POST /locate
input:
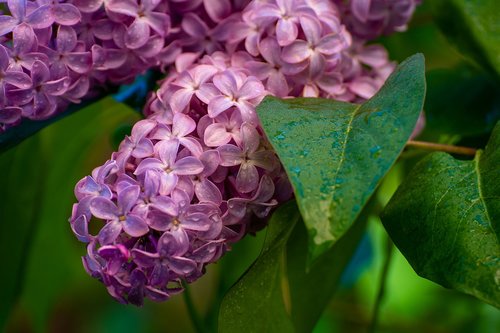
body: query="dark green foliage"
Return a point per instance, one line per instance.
(445, 219)
(335, 153)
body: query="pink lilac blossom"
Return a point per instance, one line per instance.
(198, 174)
(172, 203)
(369, 19)
(91, 44)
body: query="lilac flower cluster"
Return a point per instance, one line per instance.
(198, 173)
(185, 183)
(301, 48)
(369, 19)
(56, 52)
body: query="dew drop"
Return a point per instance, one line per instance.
(375, 151)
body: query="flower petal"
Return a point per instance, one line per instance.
(296, 52)
(188, 166)
(247, 179)
(66, 14)
(110, 232)
(18, 79)
(168, 182)
(7, 24)
(286, 32)
(137, 34)
(206, 191)
(41, 18)
(143, 149)
(127, 198)
(180, 99)
(182, 124)
(218, 104)
(144, 258)
(252, 88)
(17, 8)
(196, 222)
(80, 228)
(103, 208)
(23, 38)
(230, 155)
(216, 135)
(181, 266)
(9, 115)
(135, 226)
(312, 28)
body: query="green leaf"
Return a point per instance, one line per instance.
(474, 26)
(461, 101)
(256, 302)
(336, 153)
(445, 219)
(37, 215)
(278, 293)
(21, 185)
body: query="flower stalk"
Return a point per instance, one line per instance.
(442, 147)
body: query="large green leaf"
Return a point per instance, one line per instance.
(461, 101)
(44, 253)
(336, 153)
(21, 185)
(279, 293)
(445, 219)
(474, 26)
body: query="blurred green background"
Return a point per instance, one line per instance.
(47, 289)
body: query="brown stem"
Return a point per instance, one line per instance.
(442, 147)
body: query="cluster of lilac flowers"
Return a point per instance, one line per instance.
(368, 19)
(57, 52)
(198, 173)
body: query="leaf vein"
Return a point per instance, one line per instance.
(479, 188)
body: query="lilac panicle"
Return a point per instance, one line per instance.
(170, 202)
(198, 173)
(90, 44)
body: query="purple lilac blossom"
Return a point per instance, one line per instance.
(198, 174)
(369, 19)
(92, 44)
(170, 202)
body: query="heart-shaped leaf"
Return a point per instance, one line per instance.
(278, 293)
(445, 219)
(336, 153)
(21, 186)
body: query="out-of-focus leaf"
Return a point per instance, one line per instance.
(335, 153)
(21, 185)
(256, 303)
(230, 268)
(474, 26)
(279, 293)
(461, 101)
(312, 288)
(445, 219)
(69, 150)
